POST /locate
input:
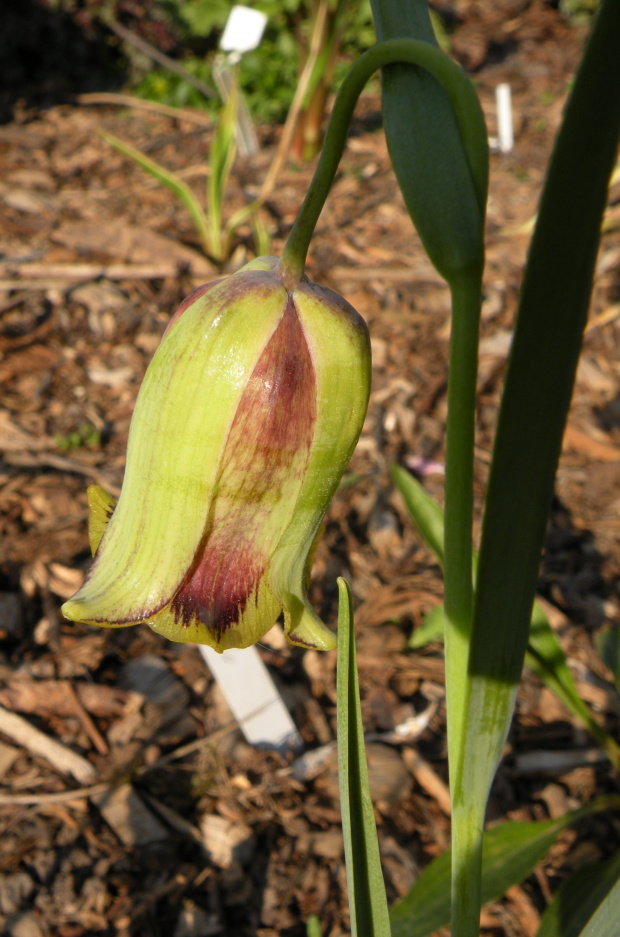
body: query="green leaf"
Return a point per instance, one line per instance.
(313, 926)
(543, 359)
(510, 853)
(170, 180)
(424, 511)
(544, 655)
(536, 396)
(426, 514)
(201, 16)
(221, 159)
(367, 901)
(604, 923)
(539, 380)
(430, 630)
(577, 900)
(444, 191)
(608, 645)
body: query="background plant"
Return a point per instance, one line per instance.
(216, 234)
(269, 74)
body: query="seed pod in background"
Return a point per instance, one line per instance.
(245, 422)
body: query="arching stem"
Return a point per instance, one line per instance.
(467, 111)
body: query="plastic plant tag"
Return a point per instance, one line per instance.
(253, 698)
(505, 133)
(243, 31)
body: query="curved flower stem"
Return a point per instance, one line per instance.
(467, 111)
(465, 281)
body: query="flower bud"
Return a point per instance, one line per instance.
(247, 417)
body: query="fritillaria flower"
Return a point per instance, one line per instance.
(245, 422)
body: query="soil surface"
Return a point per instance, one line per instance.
(167, 822)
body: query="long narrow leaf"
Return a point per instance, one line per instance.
(604, 922)
(221, 159)
(424, 511)
(510, 853)
(367, 901)
(170, 180)
(544, 655)
(578, 899)
(537, 390)
(541, 368)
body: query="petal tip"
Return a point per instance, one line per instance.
(304, 628)
(72, 610)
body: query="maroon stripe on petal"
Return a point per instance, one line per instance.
(276, 415)
(217, 593)
(269, 443)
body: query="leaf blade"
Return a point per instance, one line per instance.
(367, 899)
(544, 654)
(578, 899)
(170, 180)
(510, 852)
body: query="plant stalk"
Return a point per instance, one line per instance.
(467, 821)
(410, 51)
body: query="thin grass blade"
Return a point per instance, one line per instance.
(367, 900)
(221, 159)
(170, 180)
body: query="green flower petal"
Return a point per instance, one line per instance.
(101, 506)
(182, 419)
(227, 600)
(245, 422)
(340, 348)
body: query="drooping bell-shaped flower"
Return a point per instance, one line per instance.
(247, 417)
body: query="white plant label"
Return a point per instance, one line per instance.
(243, 31)
(252, 695)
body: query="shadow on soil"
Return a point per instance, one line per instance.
(46, 56)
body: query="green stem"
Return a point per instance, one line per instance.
(465, 285)
(467, 840)
(467, 822)
(409, 51)
(460, 428)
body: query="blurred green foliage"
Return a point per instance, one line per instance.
(86, 436)
(579, 11)
(268, 75)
